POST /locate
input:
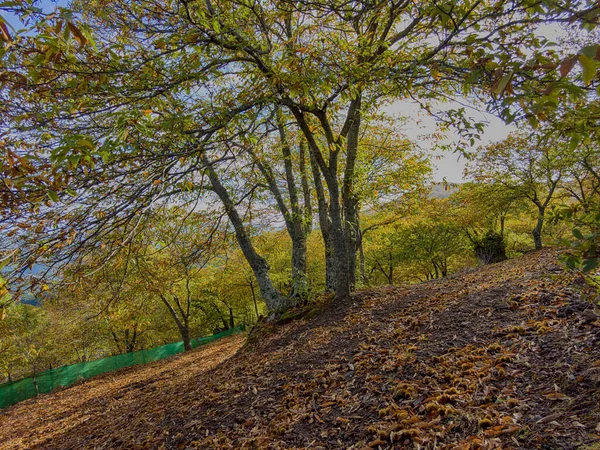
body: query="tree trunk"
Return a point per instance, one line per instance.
(350, 201)
(297, 219)
(231, 319)
(223, 321)
(444, 268)
(254, 299)
(35, 384)
(342, 201)
(340, 253)
(116, 339)
(388, 276)
(130, 343)
(185, 336)
(391, 268)
(352, 237)
(361, 258)
(537, 231)
(183, 324)
(274, 300)
(299, 281)
(330, 280)
(325, 225)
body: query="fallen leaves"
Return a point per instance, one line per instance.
(431, 366)
(550, 418)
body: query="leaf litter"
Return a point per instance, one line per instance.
(502, 357)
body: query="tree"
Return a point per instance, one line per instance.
(530, 166)
(426, 245)
(11, 356)
(482, 210)
(30, 327)
(583, 184)
(577, 123)
(174, 80)
(170, 256)
(296, 210)
(584, 244)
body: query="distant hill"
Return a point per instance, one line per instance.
(29, 299)
(443, 190)
(504, 356)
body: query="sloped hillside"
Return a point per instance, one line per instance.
(507, 356)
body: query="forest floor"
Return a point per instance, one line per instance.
(505, 356)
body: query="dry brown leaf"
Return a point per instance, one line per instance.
(550, 418)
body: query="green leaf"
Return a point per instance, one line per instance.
(503, 83)
(216, 25)
(570, 261)
(106, 156)
(533, 121)
(85, 143)
(589, 51)
(74, 159)
(590, 264)
(588, 66)
(577, 233)
(53, 196)
(574, 142)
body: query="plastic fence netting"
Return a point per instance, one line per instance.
(16, 391)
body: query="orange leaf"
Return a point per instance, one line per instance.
(567, 65)
(77, 33)
(555, 396)
(4, 33)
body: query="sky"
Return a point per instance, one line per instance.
(447, 166)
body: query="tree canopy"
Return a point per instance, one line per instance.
(270, 114)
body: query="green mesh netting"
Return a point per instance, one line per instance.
(16, 391)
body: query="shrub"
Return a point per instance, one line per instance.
(490, 248)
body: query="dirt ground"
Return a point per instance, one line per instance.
(503, 357)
